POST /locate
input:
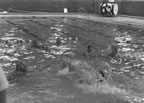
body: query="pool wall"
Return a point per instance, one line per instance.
(126, 7)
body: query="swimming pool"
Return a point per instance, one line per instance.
(114, 47)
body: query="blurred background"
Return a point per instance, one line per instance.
(126, 7)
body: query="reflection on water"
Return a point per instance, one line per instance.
(132, 54)
(58, 30)
(58, 37)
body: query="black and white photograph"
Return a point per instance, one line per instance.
(71, 51)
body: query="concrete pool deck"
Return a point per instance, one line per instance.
(121, 20)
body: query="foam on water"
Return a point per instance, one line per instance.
(61, 28)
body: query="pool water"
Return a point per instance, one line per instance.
(63, 57)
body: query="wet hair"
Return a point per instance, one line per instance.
(102, 78)
(102, 73)
(58, 41)
(35, 44)
(114, 51)
(89, 48)
(20, 67)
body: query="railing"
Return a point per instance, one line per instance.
(82, 11)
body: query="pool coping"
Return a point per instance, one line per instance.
(120, 20)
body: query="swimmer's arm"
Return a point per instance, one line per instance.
(3, 96)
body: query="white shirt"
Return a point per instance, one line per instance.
(3, 81)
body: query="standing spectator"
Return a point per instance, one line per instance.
(3, 86)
